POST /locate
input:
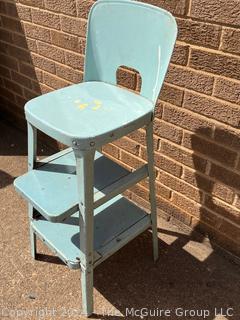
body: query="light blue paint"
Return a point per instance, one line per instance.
(86, 116)
(128, 33)
(58, 115)
(133, 34)
(51, 187)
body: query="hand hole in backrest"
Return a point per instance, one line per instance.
(129, 78)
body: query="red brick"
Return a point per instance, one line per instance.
(28, 70)
(5, 35)
(189, 206)
(209, 149)
(5, 72)
(230, 230)
(217, 11)
(162, 190)
(158, 110)
(222, 192)
(11, 24)
(13, 86)
(37, 80)
(74, 26)
(225, 176)
(32, 3)
(74, 60)
(66, 7)
(31, 44)
(228, 136)
(21, 79)
(8, 9)
(68, 73)
(2, 7)
(18, 53)
(187, 120)
(4, 48)
(83, 8)
(138, 82)
(53, 81)
(139, 136)
(51, 52)
(36, 88)
(178, 7)
(82, 45)
(180, 54)
(8, 62)
(217, 237)
(199, 33)
(21, 101)
(180, 186)
(227, 90)
(207, 217)
(128, 145)
(111, 150)
(65, 40)
(45, 89)
(222, 208)
(28, 94)
(230, 40)
(140, 191)
(223, 65)
(171, 94)
(131, 160)
(126, 78)
(167, 164)
(21, 41)
(174, 211)
(4, 92)
(37, 32)
(24, 12)
(46, 18)
(191, 79)
(183, 156)
(140, 202)
(167, 131)
(214, 109)
(43, 63)
(208, 185)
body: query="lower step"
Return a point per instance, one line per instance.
(115, 224)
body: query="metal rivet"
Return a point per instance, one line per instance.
(75, 143)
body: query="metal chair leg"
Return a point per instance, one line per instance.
(32, 154)
(85, 178)
(151, 173)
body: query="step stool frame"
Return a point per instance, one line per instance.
(84, 156)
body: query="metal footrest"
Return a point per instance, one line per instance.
(115, 224)
(52, 187)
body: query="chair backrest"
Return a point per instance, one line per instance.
(133, 34)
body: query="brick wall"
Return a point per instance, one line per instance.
(196, 135)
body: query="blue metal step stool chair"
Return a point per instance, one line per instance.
(74, 196)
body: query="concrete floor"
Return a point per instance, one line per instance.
(189, 274)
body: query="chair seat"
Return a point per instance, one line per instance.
(90, 113)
